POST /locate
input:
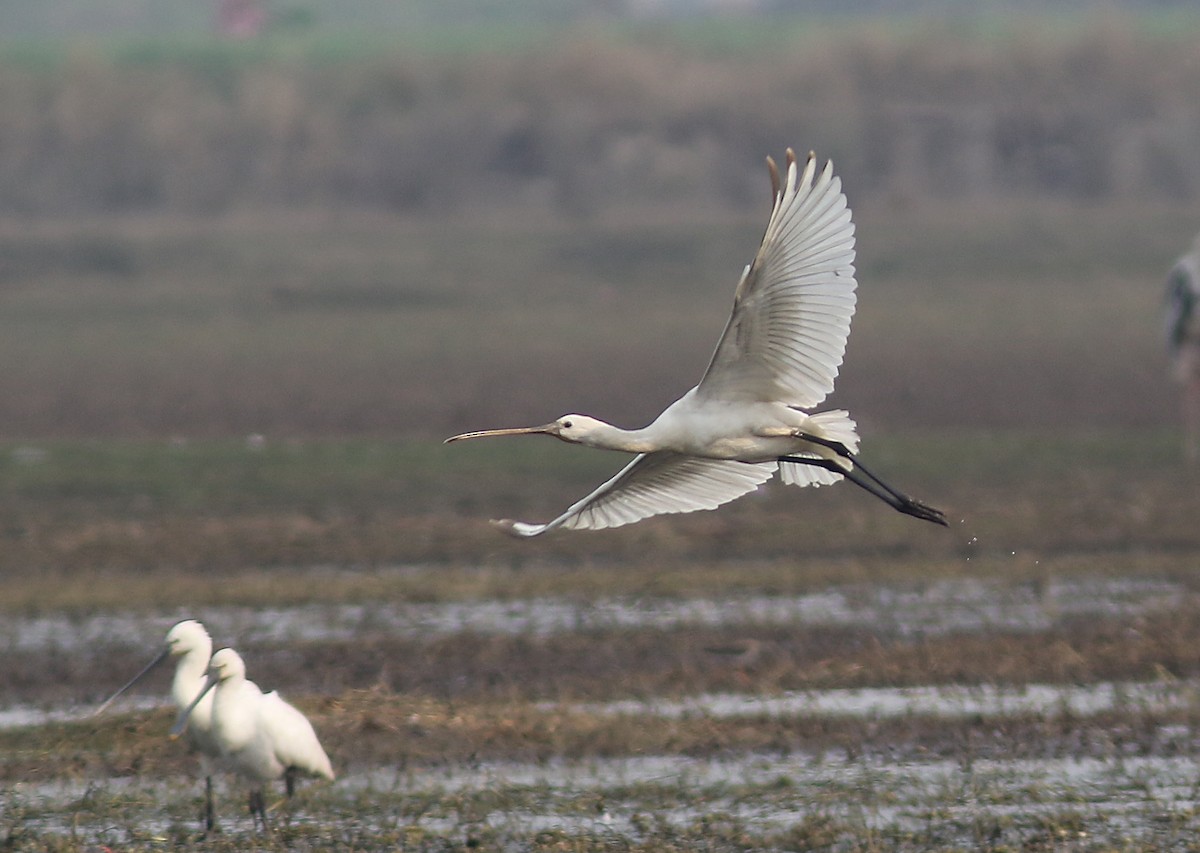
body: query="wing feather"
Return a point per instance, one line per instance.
(786, 337)
(292, 736)
(654, 484)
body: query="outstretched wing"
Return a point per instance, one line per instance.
(791, 314)
(654, 484)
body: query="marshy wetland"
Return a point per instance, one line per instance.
(989, 703)
(237, 417)
(801, 670)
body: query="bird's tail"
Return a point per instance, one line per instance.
(835, 425)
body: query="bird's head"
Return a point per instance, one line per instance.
(183, 638)
(188, 636)
(573, 429)
(225, 664)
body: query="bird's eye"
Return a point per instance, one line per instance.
(566, 424)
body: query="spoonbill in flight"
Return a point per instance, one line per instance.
(191, 644)
(1183, 341)
(260, 735)
(746, 419)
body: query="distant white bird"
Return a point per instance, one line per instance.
(260, 735)
(191, 644)
(778, 356)
(1182, 329)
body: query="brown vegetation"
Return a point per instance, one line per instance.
(592, 121)
(399, 705)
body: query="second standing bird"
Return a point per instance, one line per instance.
(261, 736)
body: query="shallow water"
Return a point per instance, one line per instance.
(937, 608)
(939, 701)
(1131, 799)
(963, 605)
(766, 792)
(21, 716)
(1046, 700)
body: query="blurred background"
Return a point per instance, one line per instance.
(303, 217)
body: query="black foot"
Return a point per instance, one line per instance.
(925, 512)
(865, 479)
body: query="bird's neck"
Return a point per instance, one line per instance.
(189, 674)
(609, 437)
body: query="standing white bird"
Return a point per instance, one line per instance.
(1182, 329)
(778, 356)
(260, 735)
(191, 644)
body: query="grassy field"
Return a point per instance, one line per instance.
(240, 420)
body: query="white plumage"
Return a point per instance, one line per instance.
(779, 355)
(190, 642)
(260, 735)
(191, 645)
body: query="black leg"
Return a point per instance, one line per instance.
(210, 813)
(844, 452)
(258, 808)
(870, 483)
(828, 443)
(289, 781)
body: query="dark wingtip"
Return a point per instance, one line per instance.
(774, 170)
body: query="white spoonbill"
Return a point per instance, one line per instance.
(1182, 328)
(778, 356)
(260, 735)
(191, 644)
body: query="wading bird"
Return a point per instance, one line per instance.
(260, 735)
(191, 644)
(778, 356)
(1182, 328)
